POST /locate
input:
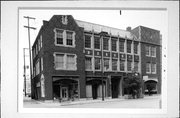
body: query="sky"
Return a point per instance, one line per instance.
(156, 19)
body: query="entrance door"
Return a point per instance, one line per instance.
(115, 87)
(94, 91)
(64, 93)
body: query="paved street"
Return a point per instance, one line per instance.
(146, 102)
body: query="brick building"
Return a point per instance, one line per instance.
(74, 59)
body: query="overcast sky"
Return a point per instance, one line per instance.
(156, 19)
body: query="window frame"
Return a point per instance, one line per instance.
(116, 64)
(108, 43)
(64, 37)
(128, 66)
(90, 41)
(65, 61)
(91, 63)
(95, 64)
(147, 49)
(120, 46)
(99, 42)
(105, 58)
(153, 47)
(130, 47)
(148, 65)
(114, 45)
(155, 67)
(120, 62)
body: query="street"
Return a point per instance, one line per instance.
(146, 102)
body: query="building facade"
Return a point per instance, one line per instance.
(75, 59)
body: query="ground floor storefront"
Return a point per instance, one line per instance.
(72, 88)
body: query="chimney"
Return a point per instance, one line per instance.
(128, 29)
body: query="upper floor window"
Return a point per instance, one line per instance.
(69, 38)
(153, 68)
(128, 46)
(41, 40)
(129, 66)
(105, 43)
(87, 41)
(97, 63)
(64, 37)
(37, 67)
(135, 48)
(153, 51)
(121, 46)
(148, 67)
(59, 36)
(88, 63)
(122, 65)
(65, 61)
(97, 42)
(114, 64)
(147, 48)
(70, 62)
(114, 44)
(41, 63)
(136, 66)
(106, 64)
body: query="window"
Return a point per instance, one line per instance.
(135, 48)
(148, 68)
(136, 67)
(147, 50)
(97, 63)
(71, 63)
(37, 67)
(41, 40)
(59, 61)
(69, 38)
(153, 68)
(87, 41)
(97, 42)
(41, 63)
(122, 65)
(36, 48)
(59, 36)
(153, 51)
(39, 44)
(128, 46)
(106, 64)
(65, 61)
(114, 44)
(88, 63)
(129, 66)
(114, 64)
(105, 43)
(121, 46)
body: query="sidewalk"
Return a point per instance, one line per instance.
(83, 101)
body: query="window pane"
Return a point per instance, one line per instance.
(153, 51)
(154, 68)
(121, 46)
(136, 66)
(147, 51)
(97, 42)
(122, 65)
(70, 62)
(87, 41)
(114, 64)
(129, 66)
(88, 63)
(97, 63)
(59, 36)
(106, 64)
(136, 48)
(106, 43)
(148, 67)
(114, 46)
(69, 38)
(59, 61)
(128, 47)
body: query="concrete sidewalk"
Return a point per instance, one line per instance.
(83, 101)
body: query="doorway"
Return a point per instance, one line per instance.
(64, 93)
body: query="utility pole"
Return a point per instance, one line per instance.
(24, 71)
(28, 27)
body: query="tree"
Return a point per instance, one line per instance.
(150, 86)
(133, 84)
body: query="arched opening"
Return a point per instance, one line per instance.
(66, 89)
(150, 87)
